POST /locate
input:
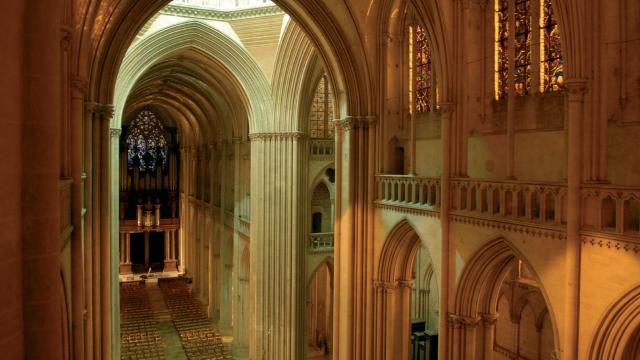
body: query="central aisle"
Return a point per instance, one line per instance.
(173, 347)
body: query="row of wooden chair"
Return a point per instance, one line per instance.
(198, 337)
(139, 335)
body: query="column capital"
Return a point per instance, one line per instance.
(78, 87)
(577, 88)
(384, 286)
(106, 111)
(462, 321)
(115, 133)
(447, 108)
(488, 319)
(355, 122)
(295, 135)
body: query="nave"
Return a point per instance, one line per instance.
(163, 320)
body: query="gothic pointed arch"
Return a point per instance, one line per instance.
(252, 84)
(477, 296)
(617, 335)
(393, 292)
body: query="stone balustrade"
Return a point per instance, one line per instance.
(409, 190)
(322, 149)
(321, 242)
(540, 202)
(611, 209)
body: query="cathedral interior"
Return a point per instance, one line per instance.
(320, 179)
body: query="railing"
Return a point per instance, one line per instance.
(409, 190)
(612, 209)
(321, 241)
(321, 149)
(526, 201)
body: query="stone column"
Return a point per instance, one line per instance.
(278, 191)
(240, 333)
(577, 89)
(125, 268)
(489, 326)
(40, 286)
(355, 165)
(447, 255)
(78, 266)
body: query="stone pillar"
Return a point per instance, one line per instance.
(577, 89)
(125, 268)
(40, 286)
(110, 278)
(447, 255)
(355, 164)
(78, 280)
(279, 192)
(240, 333)
(169, 253)
(489, 327)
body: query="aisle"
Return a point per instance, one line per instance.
(166, 323)
(172, 346)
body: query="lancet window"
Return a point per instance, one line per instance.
(321, 111)
(513, 49)
(420, 71)
(552, 69)
(146, 143)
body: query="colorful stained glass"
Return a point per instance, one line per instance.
(146, 144)
(321, 111)
(502, 47)
(423, 71)
(522, 61)
(552, 67)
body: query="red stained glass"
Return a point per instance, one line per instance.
(522, 75)
(502, 48)
(552, 64)
(423, 71)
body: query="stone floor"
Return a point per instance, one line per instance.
(166, 323)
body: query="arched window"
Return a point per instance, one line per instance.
(321, 111)
(420, 71)
(146, 144)
(552, 69)
(550, 66)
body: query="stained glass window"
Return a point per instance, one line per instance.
(552, 67)
(522, 76)
(423, 71)
(146, 144)
(502, 47)
(321, 111)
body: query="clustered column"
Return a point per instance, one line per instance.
(278, 163)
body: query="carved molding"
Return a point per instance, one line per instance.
(212, 14)
(355, 122)
(528, 229)
(612, 242)
(462, 322)
(296, 135)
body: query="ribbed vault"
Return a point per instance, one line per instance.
(195, 57)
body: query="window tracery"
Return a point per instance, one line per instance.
(423, 71)
(146, 143)
(322, 109)
(552, 69)
(520, 40)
